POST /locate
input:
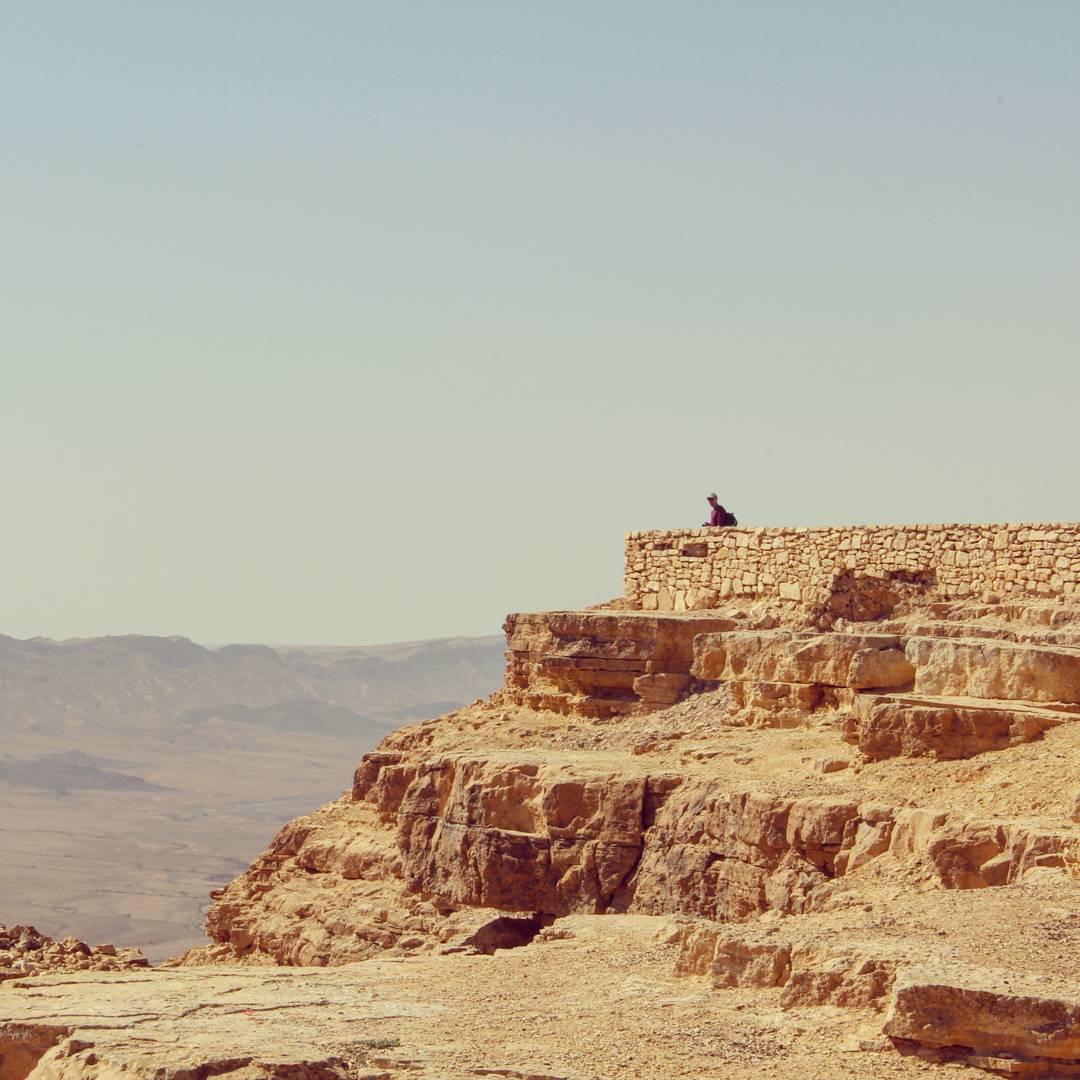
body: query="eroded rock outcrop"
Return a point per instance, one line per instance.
(580, 790)
(918, 725)
(543, 834)
(600, 664)
(24, 950)
(821, 795)
(998, 670)
(847, 973)
(992, 1019)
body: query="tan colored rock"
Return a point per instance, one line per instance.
(543, 840)
(24, 949)
(734, 957)
(328, 890)
(915, 725)
(540, 833)
(783, 656)
(833, 973)
(997, 670)
(661, 688)
(613, 775)
(831, 764)
(879, 667)
(865, 842)
(771, 704)
(602, 663)
(605, 780)
(977, 1013)
(23, 1045)
(600, 1000)
(848, 978)
(733, 856)
(913, 830)
(977, 855)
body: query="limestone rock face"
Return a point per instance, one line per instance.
(914, 725)
(991, 1018)
(977, 686)
(859, 816)
(730, 856)
(598, 999)
(691, 767)
(598, 663)
(523, 808)
(998, 670)
(405, 867)
(734, 958)
(540, 838)
(781, 678)
(851, 974)
(851, 660)
(328, 890)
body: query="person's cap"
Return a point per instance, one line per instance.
(712, 496)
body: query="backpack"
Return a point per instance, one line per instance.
(730, 518)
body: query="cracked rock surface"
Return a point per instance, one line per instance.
(718, 844)
(599, 997)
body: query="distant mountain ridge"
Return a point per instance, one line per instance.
(137, 773)
(54, 687)
(69, 770)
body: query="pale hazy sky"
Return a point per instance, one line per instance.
(356, 322)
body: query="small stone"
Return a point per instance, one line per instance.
(831, 764)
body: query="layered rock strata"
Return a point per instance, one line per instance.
(572, 793)
(915, 725)
(593, 997)
(867, 801)
(601, 664)
(990, 1019)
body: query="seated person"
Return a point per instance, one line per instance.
(719, 514)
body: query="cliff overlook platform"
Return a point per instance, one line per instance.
(800, 803)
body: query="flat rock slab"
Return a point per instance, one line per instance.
(602, 663)
(599, 998)
(257, 1021)
(947, 728)
(785, 656)
(977, 1012)
(999, 670)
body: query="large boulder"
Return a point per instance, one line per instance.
(984, 1015)
(913, 725)
(784, 656)
(1001, 670)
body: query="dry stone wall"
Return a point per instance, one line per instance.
(694, 569)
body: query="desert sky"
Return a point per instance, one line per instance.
(329, 322)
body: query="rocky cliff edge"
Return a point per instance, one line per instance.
(737, 842)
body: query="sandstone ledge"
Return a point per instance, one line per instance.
(598, 999)
(995, 1019)
(657, 794)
